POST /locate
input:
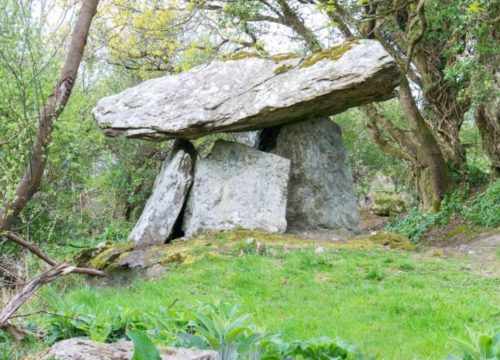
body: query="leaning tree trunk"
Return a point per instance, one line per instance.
(29, 184)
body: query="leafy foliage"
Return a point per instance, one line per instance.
(481, 210)
(485, 209)
(478, 346)
(144, 349)
(207, 326)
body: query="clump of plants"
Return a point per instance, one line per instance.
(218, 327)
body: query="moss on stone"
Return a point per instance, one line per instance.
(241, 55)
(333, 53)
(282, 69)
(252, 54)
(284, 56)
(108, 254)
(118, 256)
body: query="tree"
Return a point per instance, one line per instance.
(31, 180)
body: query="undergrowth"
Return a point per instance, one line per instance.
(481, 210)
(218, 327)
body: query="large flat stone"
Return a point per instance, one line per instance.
(238, 187)
(157, 222)
(79, 349)
(251, 93)
(320, 192)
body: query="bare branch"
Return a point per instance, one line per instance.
(33, 249)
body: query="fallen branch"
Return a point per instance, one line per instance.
(17, 301)
(33, 249)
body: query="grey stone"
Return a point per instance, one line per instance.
(79, 349)
(238, 187)
(248, 138)
(250, 94)
(321, 192)
(157, 222)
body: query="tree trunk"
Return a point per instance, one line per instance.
(488, 123)
(438, 181)
(32, 178)
(444, 100)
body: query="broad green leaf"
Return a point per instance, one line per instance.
(144, 349)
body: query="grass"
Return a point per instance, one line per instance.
(391, 304)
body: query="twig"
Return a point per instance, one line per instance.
(43, 312)
(173, 303)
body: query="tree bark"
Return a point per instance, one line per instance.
(443, 98)
(440, 180)
(488, 123)
(30, 183)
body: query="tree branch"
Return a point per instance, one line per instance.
(33, 249)
(17, 301)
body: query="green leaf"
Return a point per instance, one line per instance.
(144, 349)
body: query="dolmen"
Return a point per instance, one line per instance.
(291, 175)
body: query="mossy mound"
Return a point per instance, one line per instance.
(123, 256)
(391, 240)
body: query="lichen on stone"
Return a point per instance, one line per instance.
(333, 53)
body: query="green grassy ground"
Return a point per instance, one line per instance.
(392, 304)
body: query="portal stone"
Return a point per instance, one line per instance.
(161, 213)
(236, 187)
(321, 191)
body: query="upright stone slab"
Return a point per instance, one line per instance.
(161, 213)
(321, 194)
(238, 187)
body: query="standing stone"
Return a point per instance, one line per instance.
(320, 194)
(238, 187)
(158, 220)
